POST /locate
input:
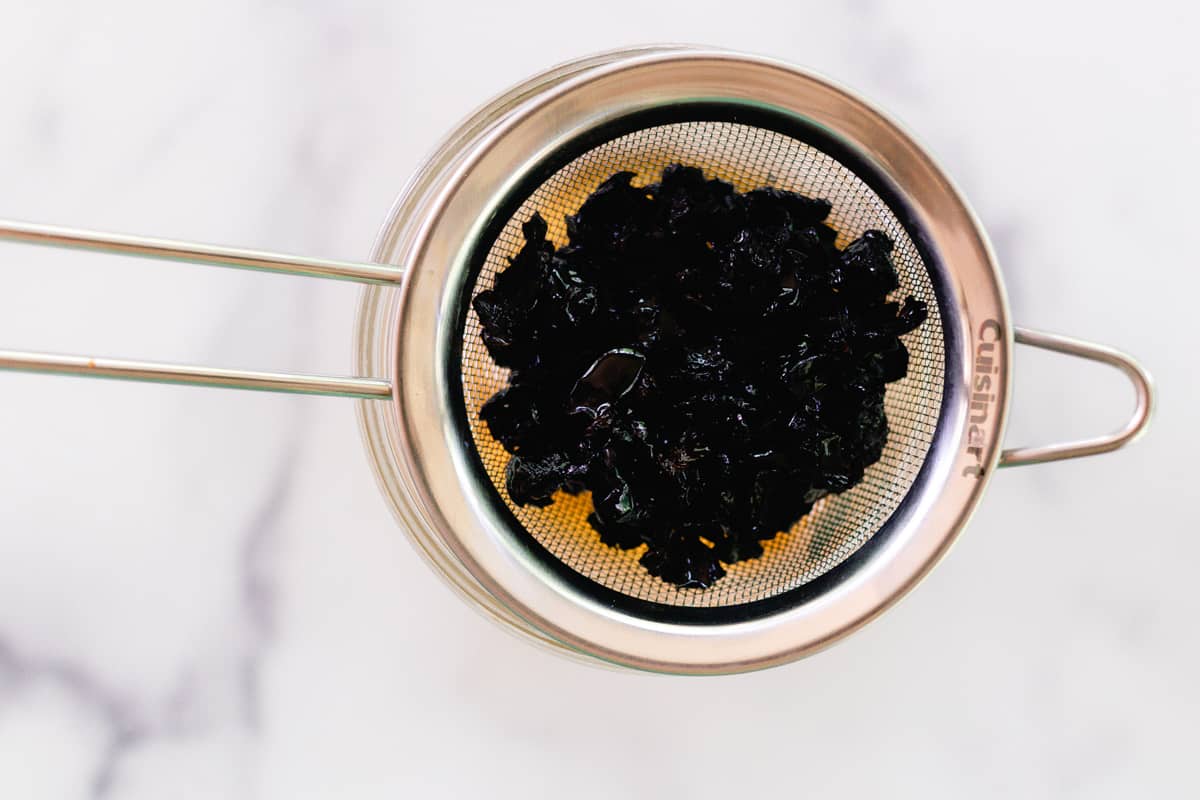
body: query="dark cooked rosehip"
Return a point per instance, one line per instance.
(706, 363)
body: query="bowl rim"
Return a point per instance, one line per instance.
(454, 205)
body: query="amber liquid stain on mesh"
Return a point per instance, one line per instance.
(748, 157)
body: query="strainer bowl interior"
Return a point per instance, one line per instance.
(749, 154)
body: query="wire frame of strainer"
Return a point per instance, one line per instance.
(543, 146)
(752, 122)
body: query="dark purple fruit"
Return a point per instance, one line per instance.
(705, 362)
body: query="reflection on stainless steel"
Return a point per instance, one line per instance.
(97, 367)
(1139, 420)
(191, 375)
(236, 257)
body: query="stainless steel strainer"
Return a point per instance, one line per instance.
(544, 146)
(748, 154)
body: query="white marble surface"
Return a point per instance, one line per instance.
(203, 595)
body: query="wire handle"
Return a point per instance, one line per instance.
(166, 249)
(1138, 421)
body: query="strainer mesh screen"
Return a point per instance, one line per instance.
(748, 157)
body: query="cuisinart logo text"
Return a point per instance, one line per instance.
(988, 357)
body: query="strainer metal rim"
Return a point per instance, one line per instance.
(431, 446)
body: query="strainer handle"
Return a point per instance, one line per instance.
(55, 236)
(1138, 421)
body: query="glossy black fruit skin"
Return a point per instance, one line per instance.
(707, 363)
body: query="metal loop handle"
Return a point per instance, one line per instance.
(1138, 420)
(54, 236)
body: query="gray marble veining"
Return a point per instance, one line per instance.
(202, 594)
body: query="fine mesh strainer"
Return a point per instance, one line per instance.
(544, 146)
(749, 156)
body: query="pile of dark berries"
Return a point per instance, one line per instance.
(705, 362)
